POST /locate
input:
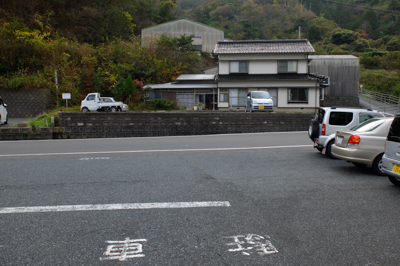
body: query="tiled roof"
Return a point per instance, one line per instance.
(273, 77)
(263, 47)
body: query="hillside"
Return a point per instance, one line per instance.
(95, 44)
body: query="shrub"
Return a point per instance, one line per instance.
(162, 104)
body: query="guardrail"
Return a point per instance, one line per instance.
(382, 102)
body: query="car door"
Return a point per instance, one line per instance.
(91, 102)
(392, 150)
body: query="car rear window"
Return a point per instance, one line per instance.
(365, 116)
(320, 115)
(340, 118)
(368, 125)
(394, 131)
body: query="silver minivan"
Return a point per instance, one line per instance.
(391, 158)
(259, 101)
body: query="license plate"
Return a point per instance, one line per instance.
(261, 107)
(396, 168)
(339, 140)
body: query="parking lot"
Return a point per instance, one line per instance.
(240, 199)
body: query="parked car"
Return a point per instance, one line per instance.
(259, 101)
(93, 102)
(363, 145)
(328, 120)
(110, 100)
(391, 158)
(3, 112)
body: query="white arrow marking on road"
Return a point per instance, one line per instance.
(144, 151)
(112, 207)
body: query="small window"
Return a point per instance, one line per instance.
(320, 115)
(287, 66)
(90, 97)
(223, 95)
(199, 47)
(238, 67)
(340, 118)
(298, 95)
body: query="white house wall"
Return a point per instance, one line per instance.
(313, 99)
(262, 57)
(265, 66)
(266, 84)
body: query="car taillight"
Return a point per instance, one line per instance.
(354, 140)
(323, 130)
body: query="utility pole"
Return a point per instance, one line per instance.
(57, 89)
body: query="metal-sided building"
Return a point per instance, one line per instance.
(343, 72)
(205, 37)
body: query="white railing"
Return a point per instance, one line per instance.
(382, 102)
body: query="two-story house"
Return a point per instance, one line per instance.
(280, 67)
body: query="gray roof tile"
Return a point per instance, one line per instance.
(263, 47)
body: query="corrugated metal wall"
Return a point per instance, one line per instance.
(343, 70)
(208, 36)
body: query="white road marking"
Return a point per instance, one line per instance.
(96, 158)
(123, 250)
(150, 151)
(112, 207)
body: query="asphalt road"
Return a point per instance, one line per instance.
(241, 199)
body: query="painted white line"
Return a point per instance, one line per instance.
(149, 151)
(113, 207)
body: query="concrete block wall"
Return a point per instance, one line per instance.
(341, 101)
(145, 124)
(25, 133)
(26, 102)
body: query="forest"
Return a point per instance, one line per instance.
(95, 45)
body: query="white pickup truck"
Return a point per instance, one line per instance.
(93, 102)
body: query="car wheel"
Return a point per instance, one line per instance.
(85, 110)
(329, 149)
(394, 180)
(377, 165)
(313, 129)
(113, 109)
(5, 123)
(360, 165)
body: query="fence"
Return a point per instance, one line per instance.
(382, 102)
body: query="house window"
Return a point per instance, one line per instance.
(238, 67)
(297, 95)
(237, 97)
(199, 47)
(287, 66)
(223, 95)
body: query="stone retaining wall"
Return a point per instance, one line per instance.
(26, 102)
(143, 124)
(25, 133)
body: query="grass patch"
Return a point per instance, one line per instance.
(44, 120)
